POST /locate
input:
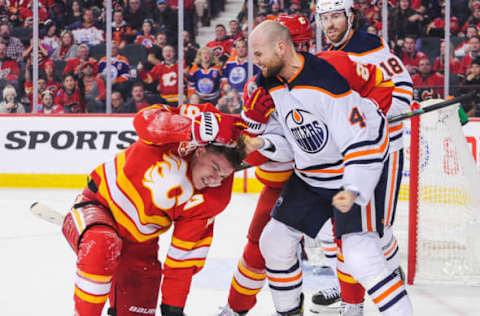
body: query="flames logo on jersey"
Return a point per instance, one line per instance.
(171, 170)
(310, 134)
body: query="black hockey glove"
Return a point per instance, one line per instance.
(168, 310)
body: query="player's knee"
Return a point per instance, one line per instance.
(362, 254)
(267, 240)
(99, 250)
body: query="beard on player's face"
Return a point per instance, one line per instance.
(273, 67)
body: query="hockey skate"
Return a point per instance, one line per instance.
(228, 311)
(297, 311)
(326, 300)
(351, 309)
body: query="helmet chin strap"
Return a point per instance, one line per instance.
(345, 36)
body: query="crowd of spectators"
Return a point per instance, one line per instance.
(144, 68)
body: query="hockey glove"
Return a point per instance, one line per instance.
(168, 310)
(217, 128)
(256, 111)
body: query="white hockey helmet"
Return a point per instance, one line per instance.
(325, 6)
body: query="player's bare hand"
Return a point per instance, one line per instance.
(252, 143)
(343, 200)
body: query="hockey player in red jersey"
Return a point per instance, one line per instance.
(179, 173)
(249, 276)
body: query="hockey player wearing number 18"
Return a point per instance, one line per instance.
(179, 173)
(338, 20)
(339, 143)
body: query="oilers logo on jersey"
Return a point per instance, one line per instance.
(310, 134)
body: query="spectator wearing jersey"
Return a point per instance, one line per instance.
(71, 95)
(25, 14)
(222, 45)
(295, 7)
(53, 83)
(44, 52)
(118, 105)
(67, 48)
(437, 26)
(87, 32)
(165, 74)
(205, 76)
(50, 35)
(135, 15)
(9, 103)
(46, 104)
(463, 48)
(154, 56)
(166, 19)
(9, 68)
(439, 63)
(235, 70)
(138, 100)
(146, 38)
(14, 46)
(474, 18)
(428, 84)
(405, 21)
(472, 81)
(121, 31)
(94, 89)
(410, 55)
(275, 10)
(120, 70)
(474, 47)
(74, 65)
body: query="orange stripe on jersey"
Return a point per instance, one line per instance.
(368, 51)
(275, 89)
(392, 187)
(324, 91)
(334, 171)
(400, 90)
(395, 128)
(382, 296)
(329, 249)
(90, 298)
(369, 217)
(285, 280)
(368, 152)
(389, 251)
(299, 70)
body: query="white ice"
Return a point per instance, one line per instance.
(37, 265)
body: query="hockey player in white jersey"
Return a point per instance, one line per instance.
(339, 142)
(338, 21)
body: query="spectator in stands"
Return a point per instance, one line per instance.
(166, 20)
(4, 12)
(28, 86)
(120, 70)
(135, 15)
(205, 76)
(14, 46)
(437, 26)
(231, 103)
(473, 19)
(154, 56)
(474, 52)
(234, 30)
(138, 100)
(410, 55)
(121, 31)
(428, 84)
(190, 48)
(74, 15)
(201, 8)
(373, 30)
(50, 38)
(9, 104)
(275, 10)
(25, 14)
(165, 74)
(118, 105)
(222, 45)
(295, 7)
(52, 83)
(194, 99)
(146, 38)
(67, 48)
(94, 89)
(472, 81)
(245, 31)
(439, 64)
(46, 104)
(463, 48)
(71, 95)
(44, 52)
(74, 65)
(235, 71)
(9, 68)
(261, 16)
(87, 32)
(405, 21)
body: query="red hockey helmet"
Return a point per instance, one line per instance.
(299, 27)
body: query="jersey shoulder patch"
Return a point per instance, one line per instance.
(362, 42)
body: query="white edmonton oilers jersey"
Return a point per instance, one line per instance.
(367, 48)
(337, 138)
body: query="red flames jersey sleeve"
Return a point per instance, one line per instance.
(191, 240)
(366, 79)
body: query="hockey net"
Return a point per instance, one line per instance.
(437, 219)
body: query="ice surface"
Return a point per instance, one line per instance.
(37, 265)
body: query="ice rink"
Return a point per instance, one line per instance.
(37, 265)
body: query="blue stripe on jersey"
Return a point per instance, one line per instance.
(393, 301)
(322, 179)
(367, 142)
(389, 278)
(395, 137)
(403, 83)
(285, 288)
(405, 100)
(323, 166)
(366, 161)
(289, 270)
(360, 42)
